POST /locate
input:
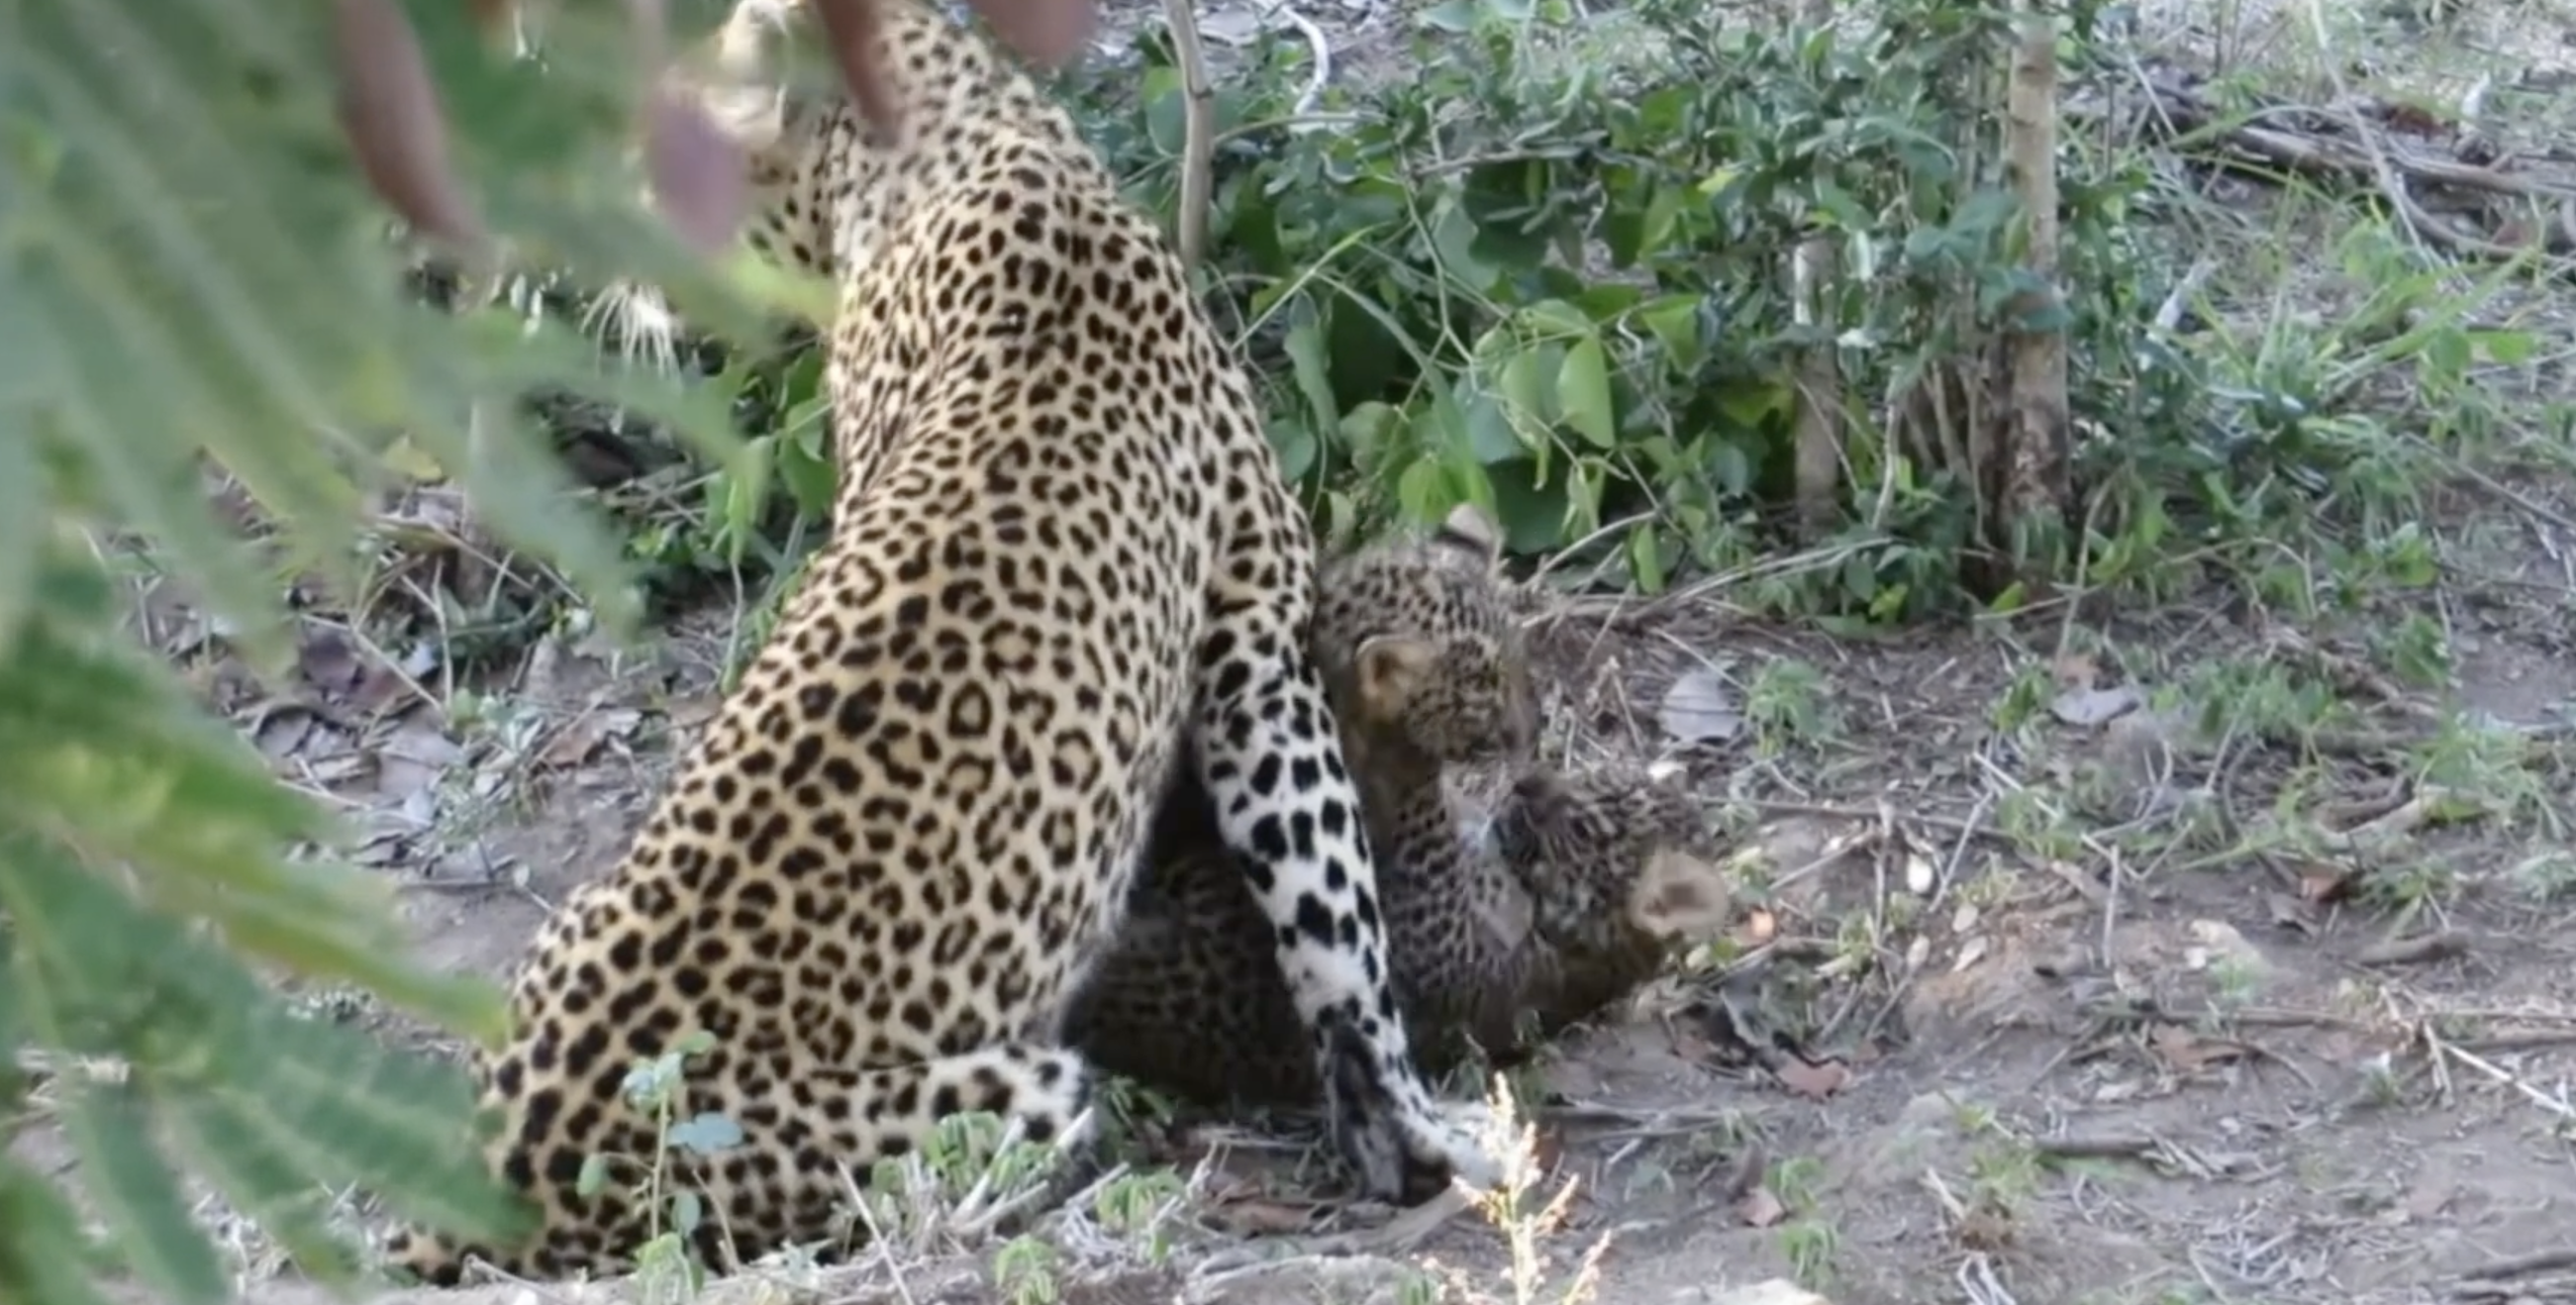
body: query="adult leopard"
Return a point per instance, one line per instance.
(1061, 548)
(1589, 881)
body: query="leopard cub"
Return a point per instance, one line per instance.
(1576, 900)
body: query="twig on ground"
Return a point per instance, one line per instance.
(2383, 165)
(878, 1247)
(1829, 810)
(2498, 1073)
(2422, 949)
(1397, 1236)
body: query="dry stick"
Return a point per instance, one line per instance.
(2391, 183)
(2423, 949)
(1828, 810)
(1198, 130)
(2379, 163)
(2504, 1076)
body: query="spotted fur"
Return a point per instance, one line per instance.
(1061, 550)
(1572, 906)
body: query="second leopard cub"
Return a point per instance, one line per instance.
(1575, 901)
(1617, 866)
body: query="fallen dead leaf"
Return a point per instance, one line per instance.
(1813, 1079)
(280, 729)
(1547, 1147)
(2324, 884)
(346, 675)
(2188, 1053)
(1772, 1291)
(2086, 708)
(1969, 955)
(2075, 671)
(412, 754)
(582, 738)
(1759, 1208)
(1759, 927)
(2290, 912)
(2222, 941)
(1985, 1230)
(1699, 708)
(1263, 1218)
(1920, 876)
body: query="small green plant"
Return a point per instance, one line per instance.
(1025, 1270)
(1796, 1180)
(1810, 1246)
(2548, 877)
(2235, 981)
(666, 1264)
(974, 1170)
(1786, 705)
(2003, 1175)
(1142, 1205)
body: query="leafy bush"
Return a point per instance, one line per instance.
(1545, 269)
(1544, 273)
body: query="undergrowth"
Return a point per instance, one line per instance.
(1544, 273)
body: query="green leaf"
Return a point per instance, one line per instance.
(1557, 319)
(24, 521)
(1294, 445)
(1490, 433)
(1454, 236)
(1674, 321)
(1367, 428)
(41, 1242)
(1305, 345)
(1166, 104)
(745, 493)
(811, 479)
(1456, 17)
(1583, 388)
(1525, 387)
(1645, 558)
(135, 1192)
(255, 1166)
(2505, 348)
(706, 1133)
(1532, 513)
(1423, 490)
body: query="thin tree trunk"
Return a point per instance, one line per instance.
(2035, 485)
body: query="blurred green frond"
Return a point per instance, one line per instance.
(194, 279)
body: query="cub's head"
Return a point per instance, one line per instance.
(1422, 641)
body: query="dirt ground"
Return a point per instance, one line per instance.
(1971, 1042)
(2171, 957)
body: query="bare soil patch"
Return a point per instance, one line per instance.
(1961, 1057)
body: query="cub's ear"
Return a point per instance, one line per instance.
(1468, 529)
(1392, 668)
(1680, 897)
